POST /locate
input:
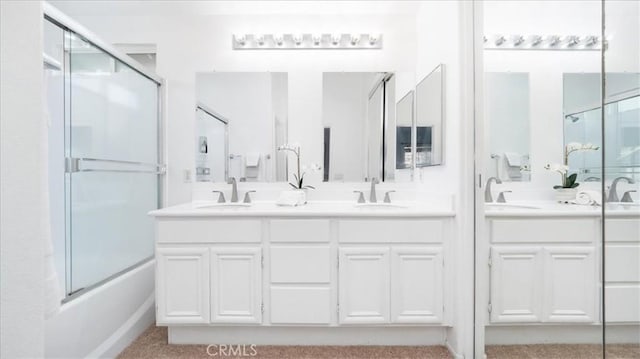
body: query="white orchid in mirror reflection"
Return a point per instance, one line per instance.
(569, 180)
(299, 177)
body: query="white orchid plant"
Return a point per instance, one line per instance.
(299, 177)
(569, 180)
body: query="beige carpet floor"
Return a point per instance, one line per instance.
(562, 351)
(152, 344)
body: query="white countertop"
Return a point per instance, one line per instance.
(311, 209)
(554, 209)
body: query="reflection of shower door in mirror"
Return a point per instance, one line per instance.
(375, 126)
(112, 172)
(212, 142)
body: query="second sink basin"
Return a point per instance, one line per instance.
(379, 205)
(229, 205)
(505, 206)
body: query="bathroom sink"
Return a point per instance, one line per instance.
(508, 206)
(221, 205)
(379, 205)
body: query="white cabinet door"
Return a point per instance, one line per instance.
(182, 285)
(570, 284)
(416, 285)
(516, 284)
(364, 285)
(236, 285)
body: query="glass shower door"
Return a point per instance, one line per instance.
(112, 164)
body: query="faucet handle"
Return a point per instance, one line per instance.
(501, 198)
(387, 199)
(247, 198)
(626, 197)
(360, 197)
(221, 198)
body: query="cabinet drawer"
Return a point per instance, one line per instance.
(544, 230)
(622, 263)
(390, 231)
(209, 231)
(622, 230)
(300, 230)
(300, 305)
(300, 264)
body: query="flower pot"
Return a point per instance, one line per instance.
(564, 195)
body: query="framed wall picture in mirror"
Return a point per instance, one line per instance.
(430, 119)
(507, 126)
(254, 109)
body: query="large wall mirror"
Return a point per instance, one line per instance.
(430, 119)
(506, 110)
(582, 124)
(366, 126)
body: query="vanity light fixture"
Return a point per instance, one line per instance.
(308, 41)
(373, 39)
(542, 42)
(518, 40)
(335, 40)
(535, 40)
(554, 40)
(572, 40)
(279, 39)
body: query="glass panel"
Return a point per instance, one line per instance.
(538, 242)
(54, 113)
(211, 151)
(429, 119)
(113, 117)
(622, 179)
(375, 121)
(110, 228)
(114, 108)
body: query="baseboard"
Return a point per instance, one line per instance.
(307, 335)
(128, 332)
(454, 353)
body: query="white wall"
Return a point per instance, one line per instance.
(23, 164)
(197, 43)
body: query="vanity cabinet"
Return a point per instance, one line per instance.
(301, 271)
(364, 285)
(543, 276)
(182, 285)
(236, 285)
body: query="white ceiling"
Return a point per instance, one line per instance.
(265, 7)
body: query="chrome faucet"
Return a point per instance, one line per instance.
(234, 189)
(488, 198)
(626, 197)
(613, 191)
(372, 195)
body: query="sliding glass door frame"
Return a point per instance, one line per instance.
(73, 165)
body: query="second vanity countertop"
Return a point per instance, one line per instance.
(311, 209)
(554, 209)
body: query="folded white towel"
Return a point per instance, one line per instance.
(588, 198)
(252, 160)
(513, 159)
(291, 198)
